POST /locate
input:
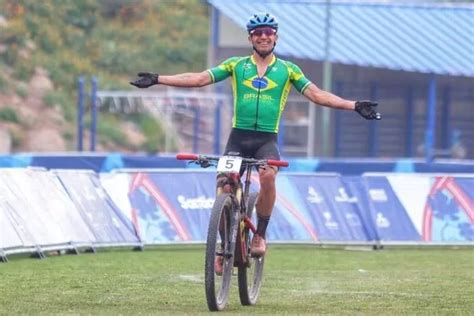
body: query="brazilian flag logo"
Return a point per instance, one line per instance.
(260, 83)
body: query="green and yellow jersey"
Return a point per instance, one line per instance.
(259, 101)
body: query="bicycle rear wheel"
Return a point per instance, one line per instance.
(219, 243)
(250, 276)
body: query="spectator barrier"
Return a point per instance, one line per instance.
(106, 222)
(65, 209)
(53, 210)
(174, 206)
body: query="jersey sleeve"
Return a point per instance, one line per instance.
(224, 70)
(297, 78)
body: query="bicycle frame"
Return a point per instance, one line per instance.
(240, 215)
(231, 221)
(244, 220)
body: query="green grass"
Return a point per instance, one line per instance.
(298, 280)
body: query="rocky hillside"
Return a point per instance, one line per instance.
(46, 45)
(35, 127)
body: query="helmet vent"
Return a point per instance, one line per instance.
(262, 19)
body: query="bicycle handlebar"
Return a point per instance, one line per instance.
(277, 163)
(271, 162)
(187, 157)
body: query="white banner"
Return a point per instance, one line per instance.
(60, 209)
(27, 209)
(8, 235)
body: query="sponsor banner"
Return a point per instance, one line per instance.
(168, 206)
(98, 211)
(355, 187)
(449, 212)
(325, 204)
(466, 185)
(441, 207)
(290, 220)
(175, 206)
(172, 206)
(411, 190)
(389, 217)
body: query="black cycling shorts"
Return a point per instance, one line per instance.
(252, 144)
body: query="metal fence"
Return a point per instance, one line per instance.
(200, 121)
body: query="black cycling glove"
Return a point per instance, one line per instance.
(145, 80)
(366, 110)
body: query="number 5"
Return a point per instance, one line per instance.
(229, 164)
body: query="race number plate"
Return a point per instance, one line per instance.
(229, 164)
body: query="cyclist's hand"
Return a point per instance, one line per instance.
(204, 163)
(366, 110)
(145, 80)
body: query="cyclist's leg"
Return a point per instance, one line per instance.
(259, 145)
(267, 175)
(267, 195)
(233, 148)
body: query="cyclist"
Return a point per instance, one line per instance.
(261, 83)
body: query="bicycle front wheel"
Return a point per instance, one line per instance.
(250, 276)
(220, 244)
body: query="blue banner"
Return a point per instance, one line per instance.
(328, 205)
(388, 215)
(356, 187)
(449, 213)
(173, 206)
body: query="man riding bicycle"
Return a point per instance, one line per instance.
(261, 84)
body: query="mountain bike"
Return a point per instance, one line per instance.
(231, 229)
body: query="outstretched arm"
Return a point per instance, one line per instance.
(189, 80)
(327, 99)
(364, 108)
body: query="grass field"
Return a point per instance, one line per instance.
(298, 280)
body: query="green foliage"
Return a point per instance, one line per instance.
(62, 100)
(22, 90)
(108, 127)
(69, 136)
(8, 114)
(23, 70)
(14, 37)
(112, 36)
(173, 42)
(110, 39)
(153, 131)
(17, 137)
(3, 84)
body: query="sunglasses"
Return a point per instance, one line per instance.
(268, 31)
